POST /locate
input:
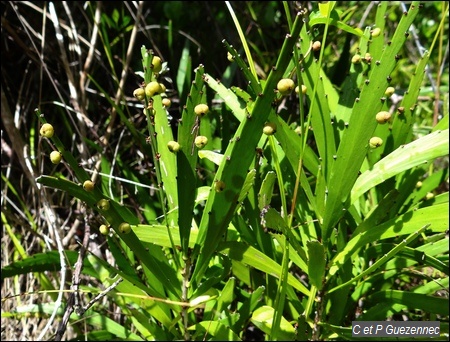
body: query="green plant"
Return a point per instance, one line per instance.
(283, 217)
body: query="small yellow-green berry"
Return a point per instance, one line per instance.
(375, 32)
(368, 58)
(153, 88)
(401, 110)
(230, 57)
(88, 186)
(166, 102)
(285, 86)
(316, 45)
(124, 228)
(55, 157)
(356, 59)
(219, 186)
(103, 204)
(429, 196)
(383, 117)
(104, 229)
(162, 88)
(389, 91)
(200, 141)
(269, 128)
(304, 89)
(173, 146)
(47, 130)
(156, 64)
(419, 184)
(375, 142)
(201, 109)
(139, 93)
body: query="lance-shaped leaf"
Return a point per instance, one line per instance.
(115, 215)
(221, 205)
(316, 263)
(353, 146)
(420, 151)
(435, 216)
(187, 158)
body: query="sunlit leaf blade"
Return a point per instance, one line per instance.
(255, 258)
(436, 216)
(115, 216)
(221, 205)
(263, 317)
(420, 151)
(354, 144)
(385, 258)
(215, 157)
(187, 158)
(157, 234)
(266, 190)
(219, 331)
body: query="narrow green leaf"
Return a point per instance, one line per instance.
(215, 157)
(187, 158)
(221, 205)
(236, 105)
(253, 257)
(385, 258)
(354, 144)
(266, 190)
(316, 263)
(183, 79)
(248, 184)
(436, 216)
(420, 151)
(217, 330)
(227, 295)
(263, 317)
(166, 159)
(158, 235)
(414, 301)
(115, 216)
(41, 262)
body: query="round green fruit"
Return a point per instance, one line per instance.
(162, 88)
(124, 228)
(55, 157)
(375, 142)
(104, 229)
(173, 146)
(139, 93)
(376, 32)
(156, 64)
(269, 128)
(356, 59)
(389, 91)
(103, 204)
(219, 186)
(383, 117)
(201, 109)
(200, 141)
(47, 130)
(316, 45)
(88, 186)
(285, 86)
(153, 88)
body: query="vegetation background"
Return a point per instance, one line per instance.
(78, 64)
